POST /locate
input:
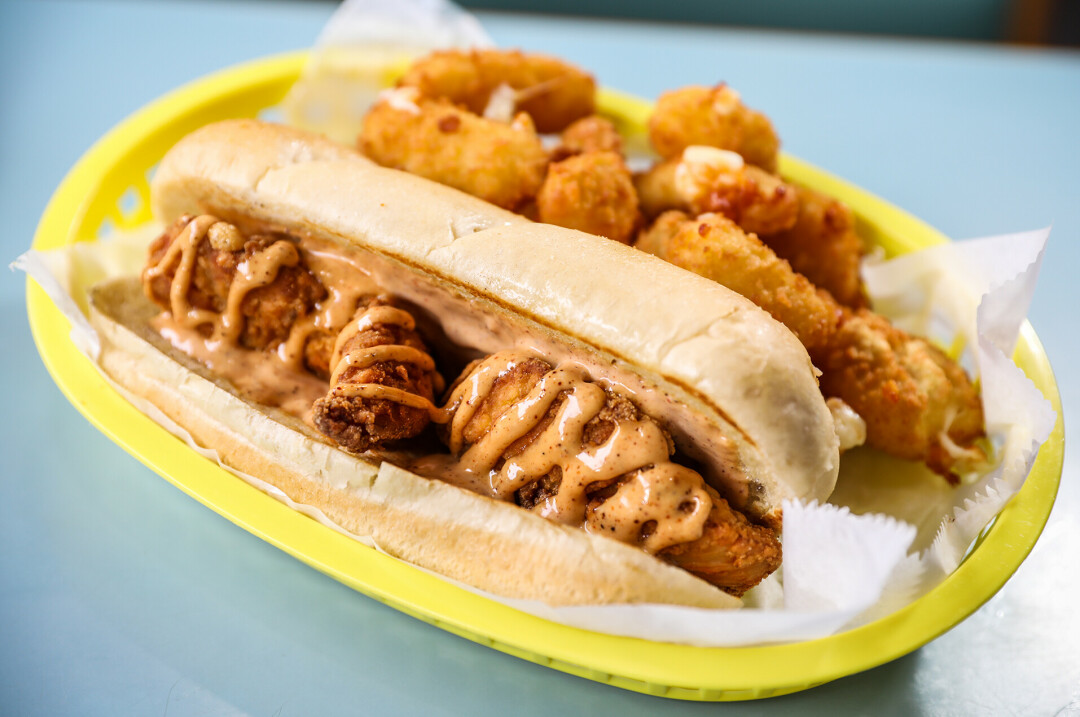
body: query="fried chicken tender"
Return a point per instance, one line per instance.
(714, 117)
(551, 91)
(726, 549)
(732, 551)
(268, 311)
(500, 163)
(383, 381)
(715, 247)
(592, 192)
(707, 179)
(822, 246)
(917, 403)
(589, 134)
(508, 390)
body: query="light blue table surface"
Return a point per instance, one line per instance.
(119, 595)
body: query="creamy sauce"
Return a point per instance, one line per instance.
(366, 356)
(284, 383)
(256, 375)
(368, 319)
(257, 270)
(184, 248)
(660, 505)
(291, 351)
(346, 282)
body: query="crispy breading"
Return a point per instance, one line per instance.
(359, 423)
(590, 134)
(917, 403)
(551, 91)
(498, 162)
(714, 117)
(822, 246)
(731, 552)
(318, 350)
(715, 247)
(592, 192)
(706, 179)
(509, 389)
(268, 312)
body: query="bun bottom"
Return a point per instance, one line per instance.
(493, 546)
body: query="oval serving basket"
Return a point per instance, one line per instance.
(109, 188)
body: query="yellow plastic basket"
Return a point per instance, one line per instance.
(109, 187)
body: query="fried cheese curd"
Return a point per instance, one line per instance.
(383, 381)
(706, 179)
(715, 247)
(592, 192)
(501, 163)
(589, 134)
(573, 452)
(553, 92)
(917, 403)
(714, 117)
(822, 246)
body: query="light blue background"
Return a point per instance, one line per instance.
(119, 595)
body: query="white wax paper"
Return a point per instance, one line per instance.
(362, 45)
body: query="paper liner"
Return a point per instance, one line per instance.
(982, 290)
(363, 45)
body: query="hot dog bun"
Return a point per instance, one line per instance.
(494, 546)
(736, 389)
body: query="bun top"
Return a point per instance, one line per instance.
(705, 346)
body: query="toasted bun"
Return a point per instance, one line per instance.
(714, 353)
(494, 546)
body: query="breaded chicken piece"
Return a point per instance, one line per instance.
(318, 349)
(268, 311)
(729, 551)
(358, 421)
(498, 162)
(553, 92)
(509, 389)
(592, 192)
(706, 179)
(714, 117)
(732, 551)
(822, 246)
